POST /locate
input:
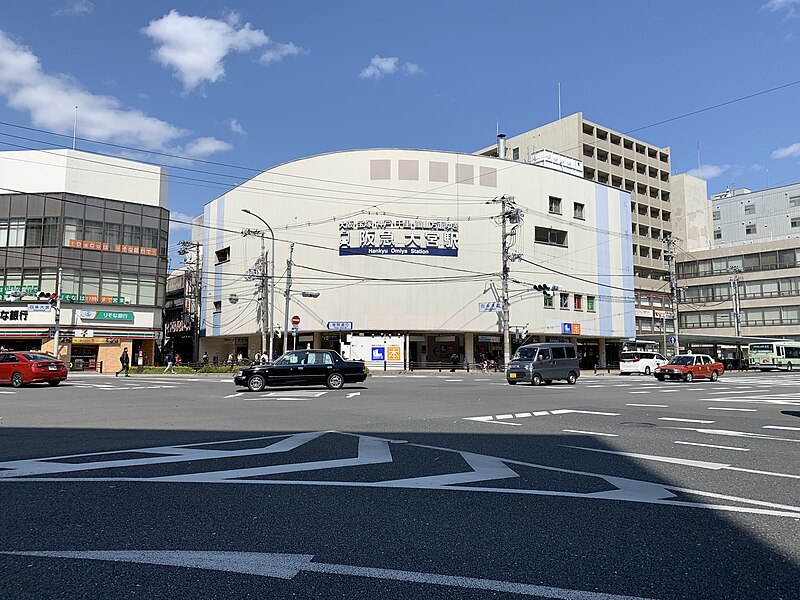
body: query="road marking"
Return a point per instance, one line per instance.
(297, 394)
(236, 395)
(684, 420)
(638, 392)
(371, 450)
(540, 413)
(522, 415)
(590, 432)
(668, 391)
(454, 380)
(728, 433)
(701, 464)
(6, 392)
(713, 446)
(652, 405)
(595, 386)
(781, 427)
(504, 417)
(736, 409)
(287, 566)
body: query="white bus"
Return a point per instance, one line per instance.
(783, 355)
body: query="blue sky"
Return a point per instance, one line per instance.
(253, 84)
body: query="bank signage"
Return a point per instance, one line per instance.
(105, 315)
(13, 315)
(398, 236)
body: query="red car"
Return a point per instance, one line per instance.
(19, 368)
(690, 366)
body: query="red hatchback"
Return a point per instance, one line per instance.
(19, 368)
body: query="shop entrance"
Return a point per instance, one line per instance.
(21, 344)
(83, 357)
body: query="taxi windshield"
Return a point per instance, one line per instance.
(682, 360)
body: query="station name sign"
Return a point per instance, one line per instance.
(398, 236)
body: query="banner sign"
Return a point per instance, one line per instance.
(13, 315)
(490, 306)
(105, 315)
(94, 299)
(339, 325)
(398, 236)
(38, 308)
(123, 248)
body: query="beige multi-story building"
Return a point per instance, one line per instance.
(662, 206)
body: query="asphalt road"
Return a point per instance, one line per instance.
(434, 485)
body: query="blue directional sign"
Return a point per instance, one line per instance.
(566, 328)
(672, 339)
(378, 353)
(339, 325)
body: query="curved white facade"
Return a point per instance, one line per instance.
(408, 242)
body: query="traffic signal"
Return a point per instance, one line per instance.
(53, 298)
(50, 297)
(544, 288)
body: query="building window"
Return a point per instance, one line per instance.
(548, 302)
(563, 300)
(750, 209)
(50, 232)
(515, 154)
(217, 306)
(223, 255)
(750, 230)
(795, 222)
(555, 205)
(715, 215)
(33, 233)
(578, 211)
(578, 302)
(12, 232)
(794, 200)
(553, 237)
(590, 303)
(718, 234)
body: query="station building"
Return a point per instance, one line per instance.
(103, 223)
(404, 248)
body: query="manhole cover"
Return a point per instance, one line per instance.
(637, 424)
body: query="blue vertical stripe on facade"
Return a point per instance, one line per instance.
(206, 235)
(626, 251)
(604, 249)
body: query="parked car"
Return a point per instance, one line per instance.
(21, 368)
(640, 361)
(690, 366)
(303, 367)
(537, 363)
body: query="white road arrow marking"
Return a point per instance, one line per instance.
(287, 566)
(352, 394)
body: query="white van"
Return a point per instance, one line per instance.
(640, 361)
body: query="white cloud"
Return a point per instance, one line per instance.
(75, 7)
(788, 151)
(378, 67)
(279, 51)
(174, 227)
(205, 146)
(195, 47)
(27, 88)
(412, 69)
(236, 127)
(792, 7)
(709, 171)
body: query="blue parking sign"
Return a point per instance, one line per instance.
(566, 328)
(378, 353)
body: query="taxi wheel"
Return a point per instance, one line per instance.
(54, 382)
(256, 383)
(536, 379)
(714, 376)
(335, 381)
(687, 377)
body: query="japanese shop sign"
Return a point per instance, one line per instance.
(105, 315)
(13, 315)
(398, 236)
(123, 248)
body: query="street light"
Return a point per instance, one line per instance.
(272, 290)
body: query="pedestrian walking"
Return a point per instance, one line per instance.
(216, 359)
(205, 358)
(230, 359)
(454, 361)
(177, 360)
(125, 363)
(169, 368)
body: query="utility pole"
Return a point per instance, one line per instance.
(669, 255)
(286, 300)
(57, 334)
(196, 287)
(510, 215)
(735, 279)
(266, 276)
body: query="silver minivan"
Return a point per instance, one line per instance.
(537, 363)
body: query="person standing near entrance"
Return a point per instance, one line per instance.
(125, 363)
(454, 362)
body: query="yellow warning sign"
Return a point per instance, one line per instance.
(393, 352)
